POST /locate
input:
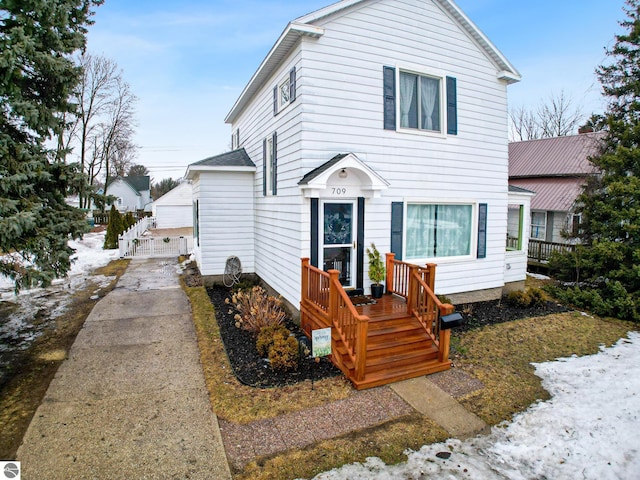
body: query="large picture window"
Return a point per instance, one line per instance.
(420, 103)
(434, 230)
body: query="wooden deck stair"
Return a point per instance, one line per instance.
(394, 338)
(397, 349)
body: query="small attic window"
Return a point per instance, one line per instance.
(284, 94)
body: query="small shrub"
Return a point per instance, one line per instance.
(537, 297)
(244, 284)
(257, 310)
(519, 299)
(267, 337)
(283, 354)
(443, 299)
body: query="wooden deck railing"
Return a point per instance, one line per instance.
(416, 285)
(540, 251)
(324, 297)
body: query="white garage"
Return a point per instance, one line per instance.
(174, 209)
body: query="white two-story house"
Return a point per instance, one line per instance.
(369, 121)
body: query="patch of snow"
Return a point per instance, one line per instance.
(539, 276)
(25, 316)
(588, 429)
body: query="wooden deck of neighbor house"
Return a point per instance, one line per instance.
(396, 338)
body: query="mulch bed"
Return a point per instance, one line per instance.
(481, 314)
(251, 369)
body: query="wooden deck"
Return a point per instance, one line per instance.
(396, 338)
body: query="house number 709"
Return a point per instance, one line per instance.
(339, 191)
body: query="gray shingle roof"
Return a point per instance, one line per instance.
(235, 158)
(322, 168)
(140, 182)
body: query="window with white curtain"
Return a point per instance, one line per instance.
(420, 102)
(438, 230)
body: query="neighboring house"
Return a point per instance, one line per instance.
(375, 121)
(132, 193)
(556, 170)
(174, 208)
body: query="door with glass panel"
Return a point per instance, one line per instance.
(338, 240)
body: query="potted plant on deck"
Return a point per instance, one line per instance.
(377, 271)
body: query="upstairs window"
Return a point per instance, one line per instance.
(420, 106)
(284, 93)
(419, 101)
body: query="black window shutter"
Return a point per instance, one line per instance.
(396, 228)
(482, 230)
(238, 138)
(264, 167)
(389, 81)
(233, 142)
(452, 106)
(274, 165)
(275, 100)
(314, 232)
(292, 85)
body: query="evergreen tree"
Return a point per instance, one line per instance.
(607, 262)
(114, 228)
(37, 77)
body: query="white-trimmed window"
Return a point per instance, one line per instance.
(438, 230)
(235, 139)
(284, 94)
(270, 165)
(420, 105)
(539, 225)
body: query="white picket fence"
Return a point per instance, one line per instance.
(133, 243)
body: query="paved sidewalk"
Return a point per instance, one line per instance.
(130, 401)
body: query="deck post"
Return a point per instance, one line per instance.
(412, 292)
(445, 335)
(431, 279)
(305, 279)
(361, 348)
(390, 271)
(334, 295)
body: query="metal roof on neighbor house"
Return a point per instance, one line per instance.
(553, 194)
(557, 156)
(235, 158)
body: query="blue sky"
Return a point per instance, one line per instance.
(188, 61)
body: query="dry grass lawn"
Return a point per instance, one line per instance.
(499, 355)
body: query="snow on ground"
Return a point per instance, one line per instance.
(589, 429)
(24, 316)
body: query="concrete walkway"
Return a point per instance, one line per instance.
(130, 401)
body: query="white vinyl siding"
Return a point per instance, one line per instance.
(339, 82)
(342, 88)
(226, 228)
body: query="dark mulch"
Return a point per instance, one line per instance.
(247, 365)
(480, 314)
(253, 370)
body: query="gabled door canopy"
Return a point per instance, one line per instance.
(345, 169)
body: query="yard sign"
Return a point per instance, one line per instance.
(321, 342)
